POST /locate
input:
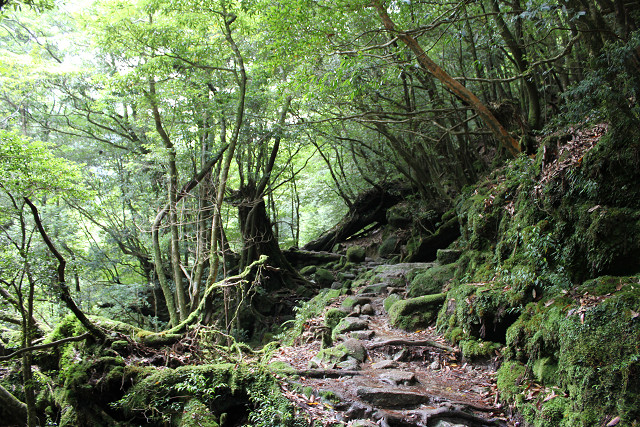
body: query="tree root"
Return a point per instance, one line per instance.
(426, 417)
(326, 373)
(412, 343)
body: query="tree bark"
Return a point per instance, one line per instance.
(65, 295)
(499, 132)
(12, 410)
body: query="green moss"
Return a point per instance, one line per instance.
(349, 302)
(511, 379)
(545, 371)
(478, 349)
(415, 312)
(323, 277)
(390, 300)
(308, 270)
(355, 254)
(431, 281)
(333, 316)
(196, 414)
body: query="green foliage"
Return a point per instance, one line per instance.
(305, 311)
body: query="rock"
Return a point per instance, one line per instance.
(355, 254)
(323, 277)
(308, 270)
(357, 410)
(434, 365)
(349, 324)
(445, 423)
(350, 364)
(398, 377)
(367, 309)
(390, 300)
(362, 335)
(315, 362)
(448, 256)
(388, 246)
(388, 397)
(385, 364)
(348, 276)
(362, 423)
(402, 354)
(333, 316)
(431, 281)
(336, 285)
(355, 349)
(375, 289)
(412, 313)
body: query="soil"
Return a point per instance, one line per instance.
(407, 378)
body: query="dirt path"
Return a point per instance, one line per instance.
(404, 378)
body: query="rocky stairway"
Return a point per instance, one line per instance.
(372, 374)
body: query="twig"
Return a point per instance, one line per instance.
(45, 346)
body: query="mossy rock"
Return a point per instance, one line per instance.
(349, 324)
(431, 281)
(417, 312)
(477, 349)
(545, 371)
(323, 277)
(351, 348)
(399, 216)
(388, 246)
(356, 254)
(308, 270)
(390, 300)
(448, 256)
(196, 414)
(333, 316)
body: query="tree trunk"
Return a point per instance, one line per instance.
(12, 411)
(499, 132)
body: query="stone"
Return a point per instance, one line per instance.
(401, 355)
(445, 423)
(417, 312)
(362, 335)
(336, 285)
(398, 377)
(388, 246)
(308, 270)
(375, 289)
(385, 364)
(355, 254)
(389, 397)
(333, 316)
(434, 366)
(367, 309)
(355, 349)
(350, 364)
(323, 277)
(448, 256)
(363, 423)
(349, 324)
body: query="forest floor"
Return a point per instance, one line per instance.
(403, 379)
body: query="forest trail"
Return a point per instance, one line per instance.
(378, 375)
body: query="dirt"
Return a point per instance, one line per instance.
(399, 383)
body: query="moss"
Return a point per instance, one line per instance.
(323, 277)
(390, 300)
(349, 302)
(196, 414)
(545, 371)
(329, 396)
(431, 281)
(231, 389)
(281, 367)
(333, 316)
(415, 312)
(388, 246)
(477, 349)
(355, 254)
(511, 379)
(308, 270)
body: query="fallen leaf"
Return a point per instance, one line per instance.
(553, 395)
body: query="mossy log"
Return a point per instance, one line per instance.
(12, 410)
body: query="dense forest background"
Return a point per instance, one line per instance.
(152, 152)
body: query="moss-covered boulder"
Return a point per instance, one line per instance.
(388, 246)
(323, 277)
(349, 324)
(356, 254)
(417, 312)
(333, 316)
(431, 281)
(448, 256)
